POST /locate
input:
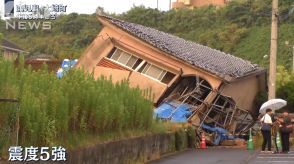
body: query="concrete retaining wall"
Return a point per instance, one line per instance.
(134, 150)
(128, 151)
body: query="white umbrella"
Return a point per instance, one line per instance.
(273, 104)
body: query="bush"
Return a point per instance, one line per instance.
(180, 139)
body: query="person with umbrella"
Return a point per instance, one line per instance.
(266, 126)
(269, 107)
(285, 129)
(275, 131)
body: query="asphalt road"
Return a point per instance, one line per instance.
(211, 156)
(226, 156)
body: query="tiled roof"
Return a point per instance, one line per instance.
(8, 44)
(212, 60)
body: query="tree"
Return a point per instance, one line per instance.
(285, 87)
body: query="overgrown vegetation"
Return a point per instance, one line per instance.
(69, 36)
(60, 111)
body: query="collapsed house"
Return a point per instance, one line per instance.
(218, 88)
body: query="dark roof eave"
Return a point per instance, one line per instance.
(253, 73)
(6, 44)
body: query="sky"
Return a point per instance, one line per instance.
(89, 6)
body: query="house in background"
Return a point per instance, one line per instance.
(219, 88)
(38, 60)
(10, 50)
(198, 3)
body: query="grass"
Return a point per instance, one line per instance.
(73, 111)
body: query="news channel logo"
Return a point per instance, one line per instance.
(31, 16)
(9, 8)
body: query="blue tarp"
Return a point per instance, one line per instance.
(65, 66)
(176, 112)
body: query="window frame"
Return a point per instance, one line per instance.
(142, 63)
(122, 64)
(157, 78)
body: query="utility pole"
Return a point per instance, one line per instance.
(169, 4)
(157, 4)
(273, 51)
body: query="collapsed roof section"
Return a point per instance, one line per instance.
(208, 59)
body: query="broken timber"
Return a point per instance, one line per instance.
(221, 112)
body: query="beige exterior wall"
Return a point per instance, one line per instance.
(197, 3)
(115, 74)
(9, 55)
(143, 82)
(98, 49)
(244, 91)
(200, 3)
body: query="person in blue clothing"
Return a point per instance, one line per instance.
(221, 134)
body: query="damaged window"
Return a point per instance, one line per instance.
(184, 99)
(225, 114)
(124, 58)
(191, 90)
(167, 77)
(153, 71)
(156, 73)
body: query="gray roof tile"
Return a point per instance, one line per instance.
(6, 43)
(209, 59)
